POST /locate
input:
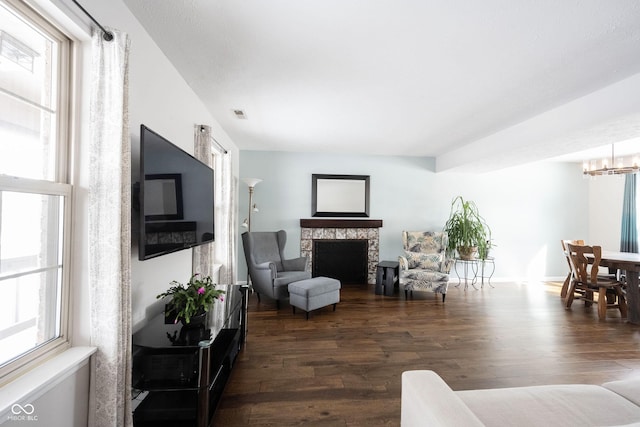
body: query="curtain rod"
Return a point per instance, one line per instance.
(202, 129)
(105, 34)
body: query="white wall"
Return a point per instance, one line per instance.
(529, 208)
(605, 211)
(62, 405)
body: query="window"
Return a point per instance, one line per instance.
(35, 194)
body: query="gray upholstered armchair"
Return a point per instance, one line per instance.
(424, 265)
(270, 272)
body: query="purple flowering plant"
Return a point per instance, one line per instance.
(194, 297)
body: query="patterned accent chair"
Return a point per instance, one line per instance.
(424, 265)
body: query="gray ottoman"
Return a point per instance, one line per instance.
(314, 293)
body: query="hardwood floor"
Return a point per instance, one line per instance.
(343, 368)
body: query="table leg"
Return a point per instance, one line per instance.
(389, 281)
(455, 266)
(466, 275)
(379, 284)
(474, 269)
(565, 286)
(633, 297)
(465, 272)
(493, 269)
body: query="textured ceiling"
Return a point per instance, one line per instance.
(420, 78)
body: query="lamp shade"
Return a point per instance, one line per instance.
(252, 182)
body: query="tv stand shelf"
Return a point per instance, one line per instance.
(185, 382)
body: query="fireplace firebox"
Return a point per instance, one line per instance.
(345, 260)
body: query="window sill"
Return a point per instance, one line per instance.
(36, 382)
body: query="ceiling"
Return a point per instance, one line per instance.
(457, 80)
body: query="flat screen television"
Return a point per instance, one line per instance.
(175, 197)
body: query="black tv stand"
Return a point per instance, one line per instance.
(185, 377)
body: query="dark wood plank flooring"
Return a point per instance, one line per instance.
(343, 368)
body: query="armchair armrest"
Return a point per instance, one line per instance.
(266, 270)
(295, 264)
(428, 401)
(447, 263)
(404, 264)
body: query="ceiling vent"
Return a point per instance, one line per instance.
(240, 114)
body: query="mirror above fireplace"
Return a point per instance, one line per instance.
(340, 195)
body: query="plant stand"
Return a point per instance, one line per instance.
(469, 267)
(484, 274)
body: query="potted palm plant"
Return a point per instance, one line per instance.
(467, 230)
(191, 301)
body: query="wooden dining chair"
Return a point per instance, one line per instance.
(585, 262)
(567, 281)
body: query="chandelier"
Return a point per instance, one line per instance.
(611, 166)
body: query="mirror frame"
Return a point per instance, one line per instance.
(338, 213)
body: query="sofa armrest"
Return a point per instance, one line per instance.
(295, 264)
(404, 263)
(428, 401)
(629, 389)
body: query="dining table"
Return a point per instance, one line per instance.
(630, 263)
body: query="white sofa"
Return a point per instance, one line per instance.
(428, 401)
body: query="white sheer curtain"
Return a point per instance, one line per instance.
(204, 257)
(225, 253)
(110, 233)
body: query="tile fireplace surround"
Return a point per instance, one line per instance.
(342, 229)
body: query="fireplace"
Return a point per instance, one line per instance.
(345, 260)
(333, 231)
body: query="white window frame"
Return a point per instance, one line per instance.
(61, 187)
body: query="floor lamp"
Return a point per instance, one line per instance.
(251, 182)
